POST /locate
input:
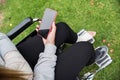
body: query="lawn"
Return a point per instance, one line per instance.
(102, 16)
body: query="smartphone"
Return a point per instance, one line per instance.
(48, 18)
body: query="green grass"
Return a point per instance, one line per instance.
(102, 16)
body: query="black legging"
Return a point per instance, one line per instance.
(69, 62)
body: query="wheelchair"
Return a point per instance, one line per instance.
(105, 61)
(21, 27)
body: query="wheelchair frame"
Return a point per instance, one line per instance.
(21, 27)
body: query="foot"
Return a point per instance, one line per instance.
(86, 36)
(92, 33)
(102, 57)
(100, 52)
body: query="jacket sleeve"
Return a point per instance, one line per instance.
(11, 56)
(44, 69)
(2, 63)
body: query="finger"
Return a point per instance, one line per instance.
(37, 27)
(44, 40)
(51, 35)
(53, 27)
(40, 21)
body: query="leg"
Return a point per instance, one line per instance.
(64, 34)
(31, 48)
(71, 61)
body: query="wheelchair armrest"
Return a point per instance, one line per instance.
(20, 27)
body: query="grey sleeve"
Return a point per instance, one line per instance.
(44, 69)
(12, 58)
(2, 63)
(6, 45)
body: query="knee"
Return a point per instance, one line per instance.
(63, 28)
(85, 45)
(88, 50)
(62, 25)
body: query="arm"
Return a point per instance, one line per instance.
(2, 63)
(44, 69)
(13, 59)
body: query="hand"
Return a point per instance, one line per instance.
(51, 35)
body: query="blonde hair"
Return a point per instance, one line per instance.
(8, 74)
